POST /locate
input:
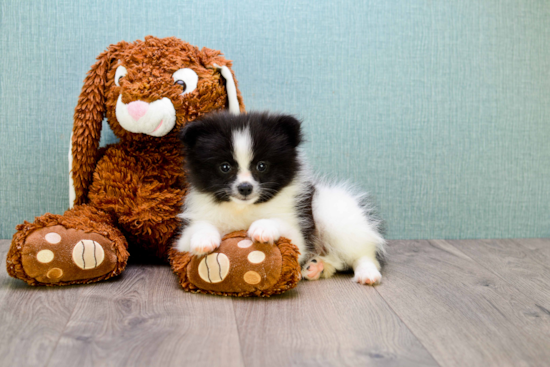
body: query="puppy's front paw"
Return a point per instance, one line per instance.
(204, 242)
(368, 275)
(313, 269)
(264, 230)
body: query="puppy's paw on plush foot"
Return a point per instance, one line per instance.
(204, 242)
(264, 231)
(313, 269)
(367, 275)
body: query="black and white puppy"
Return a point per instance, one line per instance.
(247, 172)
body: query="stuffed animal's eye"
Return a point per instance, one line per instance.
(187, 78)
(120, 72)
(261, 166)
(225, 167)
(182, 83)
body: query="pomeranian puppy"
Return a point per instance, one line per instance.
(247, 171)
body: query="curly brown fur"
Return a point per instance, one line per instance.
(145, 201)
(140, 179)
(138, 184)
(150, 65)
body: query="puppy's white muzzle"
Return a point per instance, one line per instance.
(252, 196)
(156, 118)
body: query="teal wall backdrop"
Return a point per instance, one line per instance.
(440, 109)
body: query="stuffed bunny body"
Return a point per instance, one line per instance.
(143, 200)
(126, 196)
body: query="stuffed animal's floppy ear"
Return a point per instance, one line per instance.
(88, 117)
(231, 88)
(215, 59)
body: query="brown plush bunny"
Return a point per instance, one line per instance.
(129, 192)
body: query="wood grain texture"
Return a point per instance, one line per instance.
(525, 264)
(5, 280)
(146, 319)
(31, 319)
(332, 322)
(539, 249)
(448, 303)
(462, 313)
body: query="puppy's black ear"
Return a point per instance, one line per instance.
(191, 134)
(291, 127)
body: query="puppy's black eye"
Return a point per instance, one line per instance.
(261, 166)
(225, 167)
(182, 83)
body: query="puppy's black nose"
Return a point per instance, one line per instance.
(245, 188)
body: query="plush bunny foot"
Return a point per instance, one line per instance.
(80, 246)
(239, 267)
(56, 254)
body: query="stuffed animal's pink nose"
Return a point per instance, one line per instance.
(137, 109)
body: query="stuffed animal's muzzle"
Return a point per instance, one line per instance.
(156, 118)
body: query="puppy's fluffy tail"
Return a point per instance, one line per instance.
(345, 229)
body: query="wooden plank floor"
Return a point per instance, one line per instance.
(441, 303)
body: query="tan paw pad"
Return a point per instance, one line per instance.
(88, 254)
(44, 256)
(214, 268)
(256, 257)
(251, 277)
(53, 238)
(245, 244)
(54, 273)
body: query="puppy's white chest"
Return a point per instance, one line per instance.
(229, 216)
(238, 218)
